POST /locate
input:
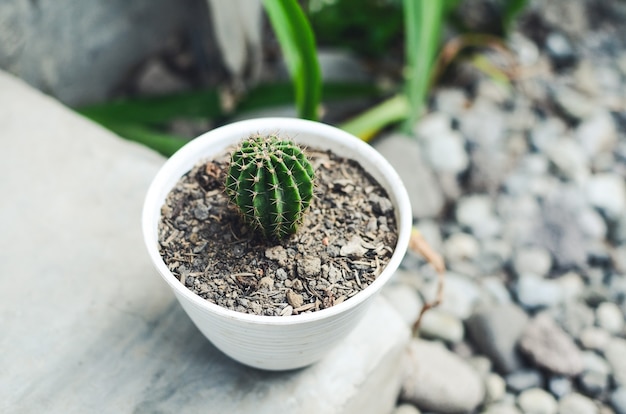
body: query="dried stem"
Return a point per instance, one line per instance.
(419, 245)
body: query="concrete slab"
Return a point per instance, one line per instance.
(88, 326)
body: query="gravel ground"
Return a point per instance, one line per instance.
(522, 189)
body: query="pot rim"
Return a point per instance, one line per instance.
(162, 184)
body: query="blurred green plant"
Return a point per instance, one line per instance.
(145, 119)
(297, 43)
(370, 29)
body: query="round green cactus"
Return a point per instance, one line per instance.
(271, 181)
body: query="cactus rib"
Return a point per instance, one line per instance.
(270, 180)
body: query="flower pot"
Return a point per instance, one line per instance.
(275, 342)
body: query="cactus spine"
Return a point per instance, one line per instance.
(270, 180)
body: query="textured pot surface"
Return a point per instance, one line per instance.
(274, 342)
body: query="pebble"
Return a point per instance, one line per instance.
(460, 296)
(310, 266)
(438, 324)
(405, 155)
(595, 339)
(495, 387)
(461, 246)
(495, 289)
(560, 50)
(495, 332)
(446, 153)
(438, 380)
(569, 159)
(524, 379)
(593, 362)
(537, 401)
(406, 409)
(607, 192)
(501, 408)
(549, 347)
(597, 134)
(574, 317)
(615, 354)
(405, 300)
(476, 213)
(534, 292)
(592, 224)
(610, 317)
(593, 383)
(560, 386)
(618, 400)
(535, 260)
(353, 248)
(576, 403)
(575, 104)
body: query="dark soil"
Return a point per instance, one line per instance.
(347, 237)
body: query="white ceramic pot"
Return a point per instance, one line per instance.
(275, 342)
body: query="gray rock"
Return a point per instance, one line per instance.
(610, 318)
(560, 50)
(405, 155)
(593, 384)
(475, 212)
(556, 232)
(460, 296)
(535, 260)
(460, 246)
(607, 192)
(406, 409)
(618, 400)
(446, 153)
(569, 159)
(438, 324)
(496, 290)
(534, 292)
(592, 224)
(501, 408)
(574, 317)
(577, 404)
(545, 134)
(494, 254)
(495, 332)
(560, 386)
(549, 347)
(614, 354)
(438, 380)
(537, 401)
(575, 104)
(405, 300)
(451, 101)
(595, 363)
(102, 328)
(597, 134)
(595, 339)
(495, 387)
(99, 48)
(524, 379)
(525, 49)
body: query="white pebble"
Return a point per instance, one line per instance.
(610, 317)
(537, 401)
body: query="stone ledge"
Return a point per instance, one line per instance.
(87, 324)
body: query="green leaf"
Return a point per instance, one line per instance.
(156, 110)
(423, 20)
(298, 45)
(511, 9)
(163, 143)
(370, 122)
